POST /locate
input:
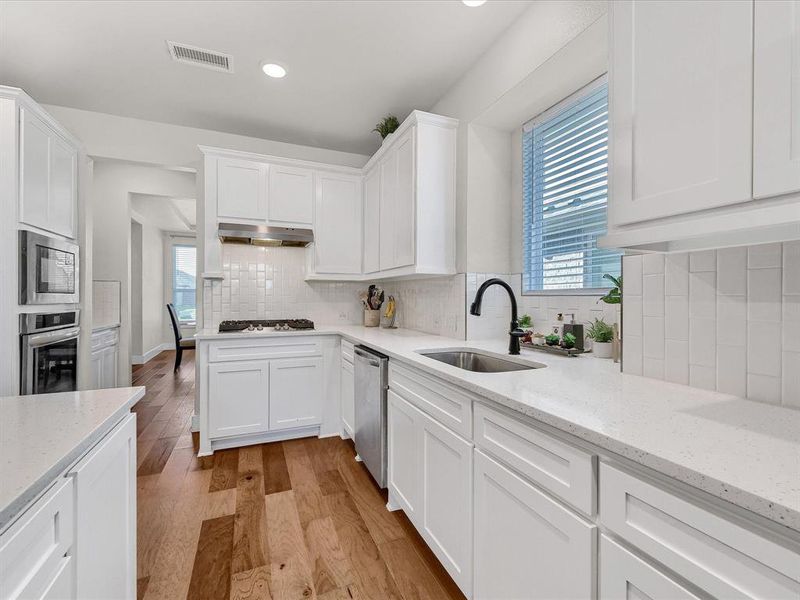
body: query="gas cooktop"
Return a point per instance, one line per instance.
(261, 324)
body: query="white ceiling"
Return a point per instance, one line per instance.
(349, 62)
(176, 215)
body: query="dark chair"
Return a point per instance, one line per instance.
(180, 343)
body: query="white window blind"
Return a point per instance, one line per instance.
(565, 191)
(184, 273)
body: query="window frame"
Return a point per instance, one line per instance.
(546, 115)
(173, 288)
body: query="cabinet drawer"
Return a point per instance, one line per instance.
(557, 466)
(248, 349)
(448, 405)
(717, 555)
(347, 351)
(622, 571)
(102, 339)
(34, 550)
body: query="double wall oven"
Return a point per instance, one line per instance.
(48, 275)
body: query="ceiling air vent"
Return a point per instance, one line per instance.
(200, 57)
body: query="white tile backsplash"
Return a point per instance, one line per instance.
(264, 283)
(543, 309)
(739, 309)
(105, 303)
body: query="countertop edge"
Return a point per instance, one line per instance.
(15, 508)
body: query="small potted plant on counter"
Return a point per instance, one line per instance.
(552, 339)
(602, 334)
(568, 341)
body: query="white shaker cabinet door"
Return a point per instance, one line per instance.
(681, 102)
(388, 208)
(295, 393)
(291, 196)
(776, 99)
(34, 170)
(527, 545)
(447, 499)
(405, 202)
(624, 575)
(63, 187)
(105, 484)
(241, 190)
(238, 395)
(347, 386)
(372, 221)
(404, 473)
(337, 224)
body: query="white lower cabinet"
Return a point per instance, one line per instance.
(447, 499)
(295, 393)
(348, 396)
(105, 500)
(527, 545)
(625, 575)
(104, 358)
(430, 478)
(404, 475)
(36, 551)
(240, 390)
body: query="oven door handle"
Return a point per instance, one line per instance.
(37, 340)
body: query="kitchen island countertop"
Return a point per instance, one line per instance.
(41, 435)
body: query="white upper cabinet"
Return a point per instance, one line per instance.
(48, 176)
(398, 204)
(372, 221)
(416, 191)
(291, 196)
(776, 99)
(681, 107)
(241, 190)
(337, 224)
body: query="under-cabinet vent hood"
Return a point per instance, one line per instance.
(262, 235)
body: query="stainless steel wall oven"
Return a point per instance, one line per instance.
(49, 352)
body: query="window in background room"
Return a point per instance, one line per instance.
(565, 192)
(184, 272)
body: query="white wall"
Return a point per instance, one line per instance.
(136, 289)
(111, 257)
(123, 138)
(154, 312)
(496, 94)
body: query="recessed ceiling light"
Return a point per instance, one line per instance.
(273, 70)
(474, 3)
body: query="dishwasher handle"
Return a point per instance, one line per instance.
(368, 358)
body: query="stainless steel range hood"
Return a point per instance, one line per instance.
(262, 235)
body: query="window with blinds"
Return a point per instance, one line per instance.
(565, 190)
(184, 273)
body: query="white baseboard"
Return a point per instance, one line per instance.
(152, 353)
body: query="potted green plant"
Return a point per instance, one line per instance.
(614, 295)
(568, 341)
(552, 339)
(601, 334)
(387, 126)
(525, 322)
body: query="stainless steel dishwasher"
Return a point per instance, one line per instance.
(372, 381)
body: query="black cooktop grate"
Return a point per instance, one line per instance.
(265, 323)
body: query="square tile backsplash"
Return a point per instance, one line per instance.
(267, 283)
(725, 320)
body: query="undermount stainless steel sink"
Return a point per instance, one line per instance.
(480, 362)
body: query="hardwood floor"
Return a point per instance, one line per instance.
(282, 521)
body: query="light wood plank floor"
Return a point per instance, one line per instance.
(288, 520)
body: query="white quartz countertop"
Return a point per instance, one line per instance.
(742, 451)
(43, 434)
